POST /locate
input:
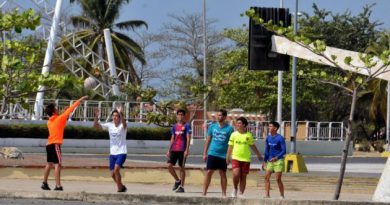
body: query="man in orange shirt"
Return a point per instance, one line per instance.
(56, 125)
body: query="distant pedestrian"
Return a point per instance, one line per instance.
(56, 125)
(214, 151)
(275, 149)
(178, 150)
(117, 130)
(240, 144)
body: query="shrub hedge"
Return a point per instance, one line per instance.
(78, 132)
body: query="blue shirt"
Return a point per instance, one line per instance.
(219, 139)
(275, 146)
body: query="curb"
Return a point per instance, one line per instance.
(148, 198)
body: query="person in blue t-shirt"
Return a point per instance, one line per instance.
(215, 149)
(275, 149)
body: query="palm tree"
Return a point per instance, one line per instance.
(377, 86)
(98, 15)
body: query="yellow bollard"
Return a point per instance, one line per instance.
(294, 163)
(385, 154)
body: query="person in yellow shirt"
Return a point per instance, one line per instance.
(240, 144)
(56, 125)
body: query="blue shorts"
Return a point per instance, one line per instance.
(118, 159)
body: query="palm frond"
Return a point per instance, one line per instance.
(130, 45)
(81, 21)
(133, 24)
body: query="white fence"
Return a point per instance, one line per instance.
(133, 111)
(320, 131)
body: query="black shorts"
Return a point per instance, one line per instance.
(176, 156)
(53, 152)
(214, 163)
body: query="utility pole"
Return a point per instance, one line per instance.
(204, 70)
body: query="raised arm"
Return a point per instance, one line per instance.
(96, 123)
(71, 108)
(122, 116)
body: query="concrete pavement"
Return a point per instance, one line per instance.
(87, 179)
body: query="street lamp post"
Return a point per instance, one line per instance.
(294, 89)
(280, 92)
(204, 70)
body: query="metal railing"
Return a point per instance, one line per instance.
(330, 131)
(319, 131)
(133, 111)
(136, 112)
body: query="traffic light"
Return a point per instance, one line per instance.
(260, 56)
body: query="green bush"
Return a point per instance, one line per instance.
(78, 132)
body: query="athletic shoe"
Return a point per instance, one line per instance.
(266, 197)
(124, 189)
(58, 188)
(281, 197)
(176, 185)
(180, 189)
(234, 193)
(45, 186)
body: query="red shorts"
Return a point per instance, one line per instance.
(244, 166)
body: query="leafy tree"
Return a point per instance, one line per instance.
(21, 59)
(98, 15)
(351, 83)
(236, 86)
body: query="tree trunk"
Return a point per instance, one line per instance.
(347, 141)
(2, 108)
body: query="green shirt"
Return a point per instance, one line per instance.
(241, 146)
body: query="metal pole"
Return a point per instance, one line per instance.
(281, 2)
(111, 60)
(388, 117)
(280, 91)
(47, 61)
(294, 89)
(204, 69)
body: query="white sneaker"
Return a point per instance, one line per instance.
(234, 193)
(281, 197)
(241, 196)
(266, 197)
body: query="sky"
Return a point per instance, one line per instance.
(227, 12)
